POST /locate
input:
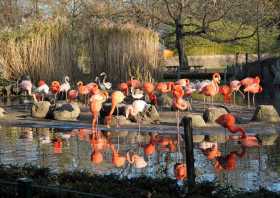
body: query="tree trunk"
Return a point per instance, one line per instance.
(183, 63)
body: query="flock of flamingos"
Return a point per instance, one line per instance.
(95, 94)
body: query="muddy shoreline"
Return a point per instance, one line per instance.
(19, 115)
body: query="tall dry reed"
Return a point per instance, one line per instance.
(124, 50)
(41, 50)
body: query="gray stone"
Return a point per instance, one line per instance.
(197, 120)
(120, 119)
(266, 113)
(268, 139)
(40, 109)
(211, 114)
(69, 111)
(2, 112)
(149, 116)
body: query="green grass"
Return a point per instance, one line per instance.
(201, 46)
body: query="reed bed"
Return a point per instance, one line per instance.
(124, 50)
(42, 50)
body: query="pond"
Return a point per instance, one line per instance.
(239, 167)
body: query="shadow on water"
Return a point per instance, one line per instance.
(132, 154)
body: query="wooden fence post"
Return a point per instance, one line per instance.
(24, 187)
(188, 138)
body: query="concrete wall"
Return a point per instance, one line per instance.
(214, 61)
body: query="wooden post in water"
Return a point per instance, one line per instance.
(24, 187)
(188, 138)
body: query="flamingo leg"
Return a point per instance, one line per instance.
(248, 100)
(253, 99)
(234, 98)
(203, 101)
(117, 118)
(241, 93)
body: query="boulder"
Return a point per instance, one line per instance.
(40, 109)
(266, 113)
(121, 119)
(69, 111)
(212, 113)
(2, 112)
(268, 139)
(149, 116)
(165, 101)
(197, 120)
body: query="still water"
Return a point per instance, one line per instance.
(229, 165)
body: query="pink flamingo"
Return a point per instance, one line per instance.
(149, 89)
(96, 102)
(26, 85)
(83, 90)
(228, 122)
(254, 89)
(213, 88)
(248, 82)
(235, 87)
(117, 98)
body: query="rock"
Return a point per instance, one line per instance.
(197, 120)
(149, 116)
(268, 139)
(165, 101)
(212, 113)
(2, 112)
(69, 111)
(40, 109)
(198, 138)
(121, 119)
(266, 113)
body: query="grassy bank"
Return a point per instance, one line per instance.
(113, 186)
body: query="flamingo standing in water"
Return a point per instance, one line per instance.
(254, 89)
(117, 98)
(213, 88)
(228, 122)
(83, 90)
(26, 85)
(226, 92)
(249, 81)
(96, 102)
(235, 87)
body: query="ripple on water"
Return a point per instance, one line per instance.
(60, 150)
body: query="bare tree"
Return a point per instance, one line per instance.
(208, 19)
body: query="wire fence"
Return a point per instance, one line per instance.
(24, 188)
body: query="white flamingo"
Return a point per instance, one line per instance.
(65, 87)
(26, 85)
(136, 107)
(106, 85)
